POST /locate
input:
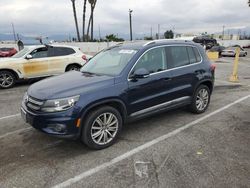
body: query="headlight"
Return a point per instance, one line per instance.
(25, 97)
(58, 105)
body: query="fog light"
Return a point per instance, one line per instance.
(60, 128)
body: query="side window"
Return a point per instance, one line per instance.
(197, 54)
(178, 55)
(191, 54)
(154, 61)
(60, 51)
(39, 53)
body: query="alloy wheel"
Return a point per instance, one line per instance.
(104, 128)
(6, 80)
(202, 99)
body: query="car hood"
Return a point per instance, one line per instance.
(69, 84)
(8, 60)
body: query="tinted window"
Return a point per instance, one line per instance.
(191, 54)
(39, 53)
(197, 54)
(154, 61)
(178, 56)
(61, 51)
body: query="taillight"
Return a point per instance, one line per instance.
(84, 57)
(213, 67)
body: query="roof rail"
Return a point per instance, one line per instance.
(162, 40)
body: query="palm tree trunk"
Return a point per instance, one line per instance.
(76, 22)
(91, 22)
(92, 25)
(84, 20)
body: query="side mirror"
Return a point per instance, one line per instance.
(28, 57)
(140, 73)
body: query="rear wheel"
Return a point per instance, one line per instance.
(200, 100)
(102, 127)
(73, 68)
(7, 79)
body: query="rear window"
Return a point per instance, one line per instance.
(61, 51)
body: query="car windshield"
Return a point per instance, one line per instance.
(109, 62)
(21, 53)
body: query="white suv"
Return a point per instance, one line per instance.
(40, 61)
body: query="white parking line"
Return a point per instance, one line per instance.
(16, 132)
(11, 116)
(136, 150)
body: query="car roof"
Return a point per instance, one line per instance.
(137, 45)
(53, 45)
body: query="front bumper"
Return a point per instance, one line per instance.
(61, 124)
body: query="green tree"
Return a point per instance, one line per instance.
(169, 34)
(114, 38)
(75, 17)
(148, 38)
(84, 20)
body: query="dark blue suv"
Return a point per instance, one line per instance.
(125, 82)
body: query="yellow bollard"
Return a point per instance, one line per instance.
(234, 76)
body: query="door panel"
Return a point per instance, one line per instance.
(36, 67)
(148, 92)
(155, 89)
(184, 62)
(57, 65)
(58, 59)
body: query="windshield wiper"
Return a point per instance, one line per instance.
(86, 72)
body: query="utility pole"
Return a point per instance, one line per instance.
(223, 32)
(130, 24)
(159, 31)
(99, 32)
(14, 33)
(151, 32)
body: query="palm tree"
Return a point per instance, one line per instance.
(91, 19)
(75, 17)
(84, 18)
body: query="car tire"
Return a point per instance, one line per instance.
(99, 131)
(7, 79)
(200, 100)
(73, 68)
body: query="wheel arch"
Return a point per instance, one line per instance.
(76, 64)
(113, 102)
(12, 71)
(207, 83)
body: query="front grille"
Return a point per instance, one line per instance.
(34, 104)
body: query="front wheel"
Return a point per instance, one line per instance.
(200, 100)
(102, 127)
(7, 79)
(73, 68)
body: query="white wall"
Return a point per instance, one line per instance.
(87, 47)
(94, 47)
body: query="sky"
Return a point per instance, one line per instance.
(51, 17)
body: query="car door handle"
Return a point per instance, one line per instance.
(198, 72)
(167, 79)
